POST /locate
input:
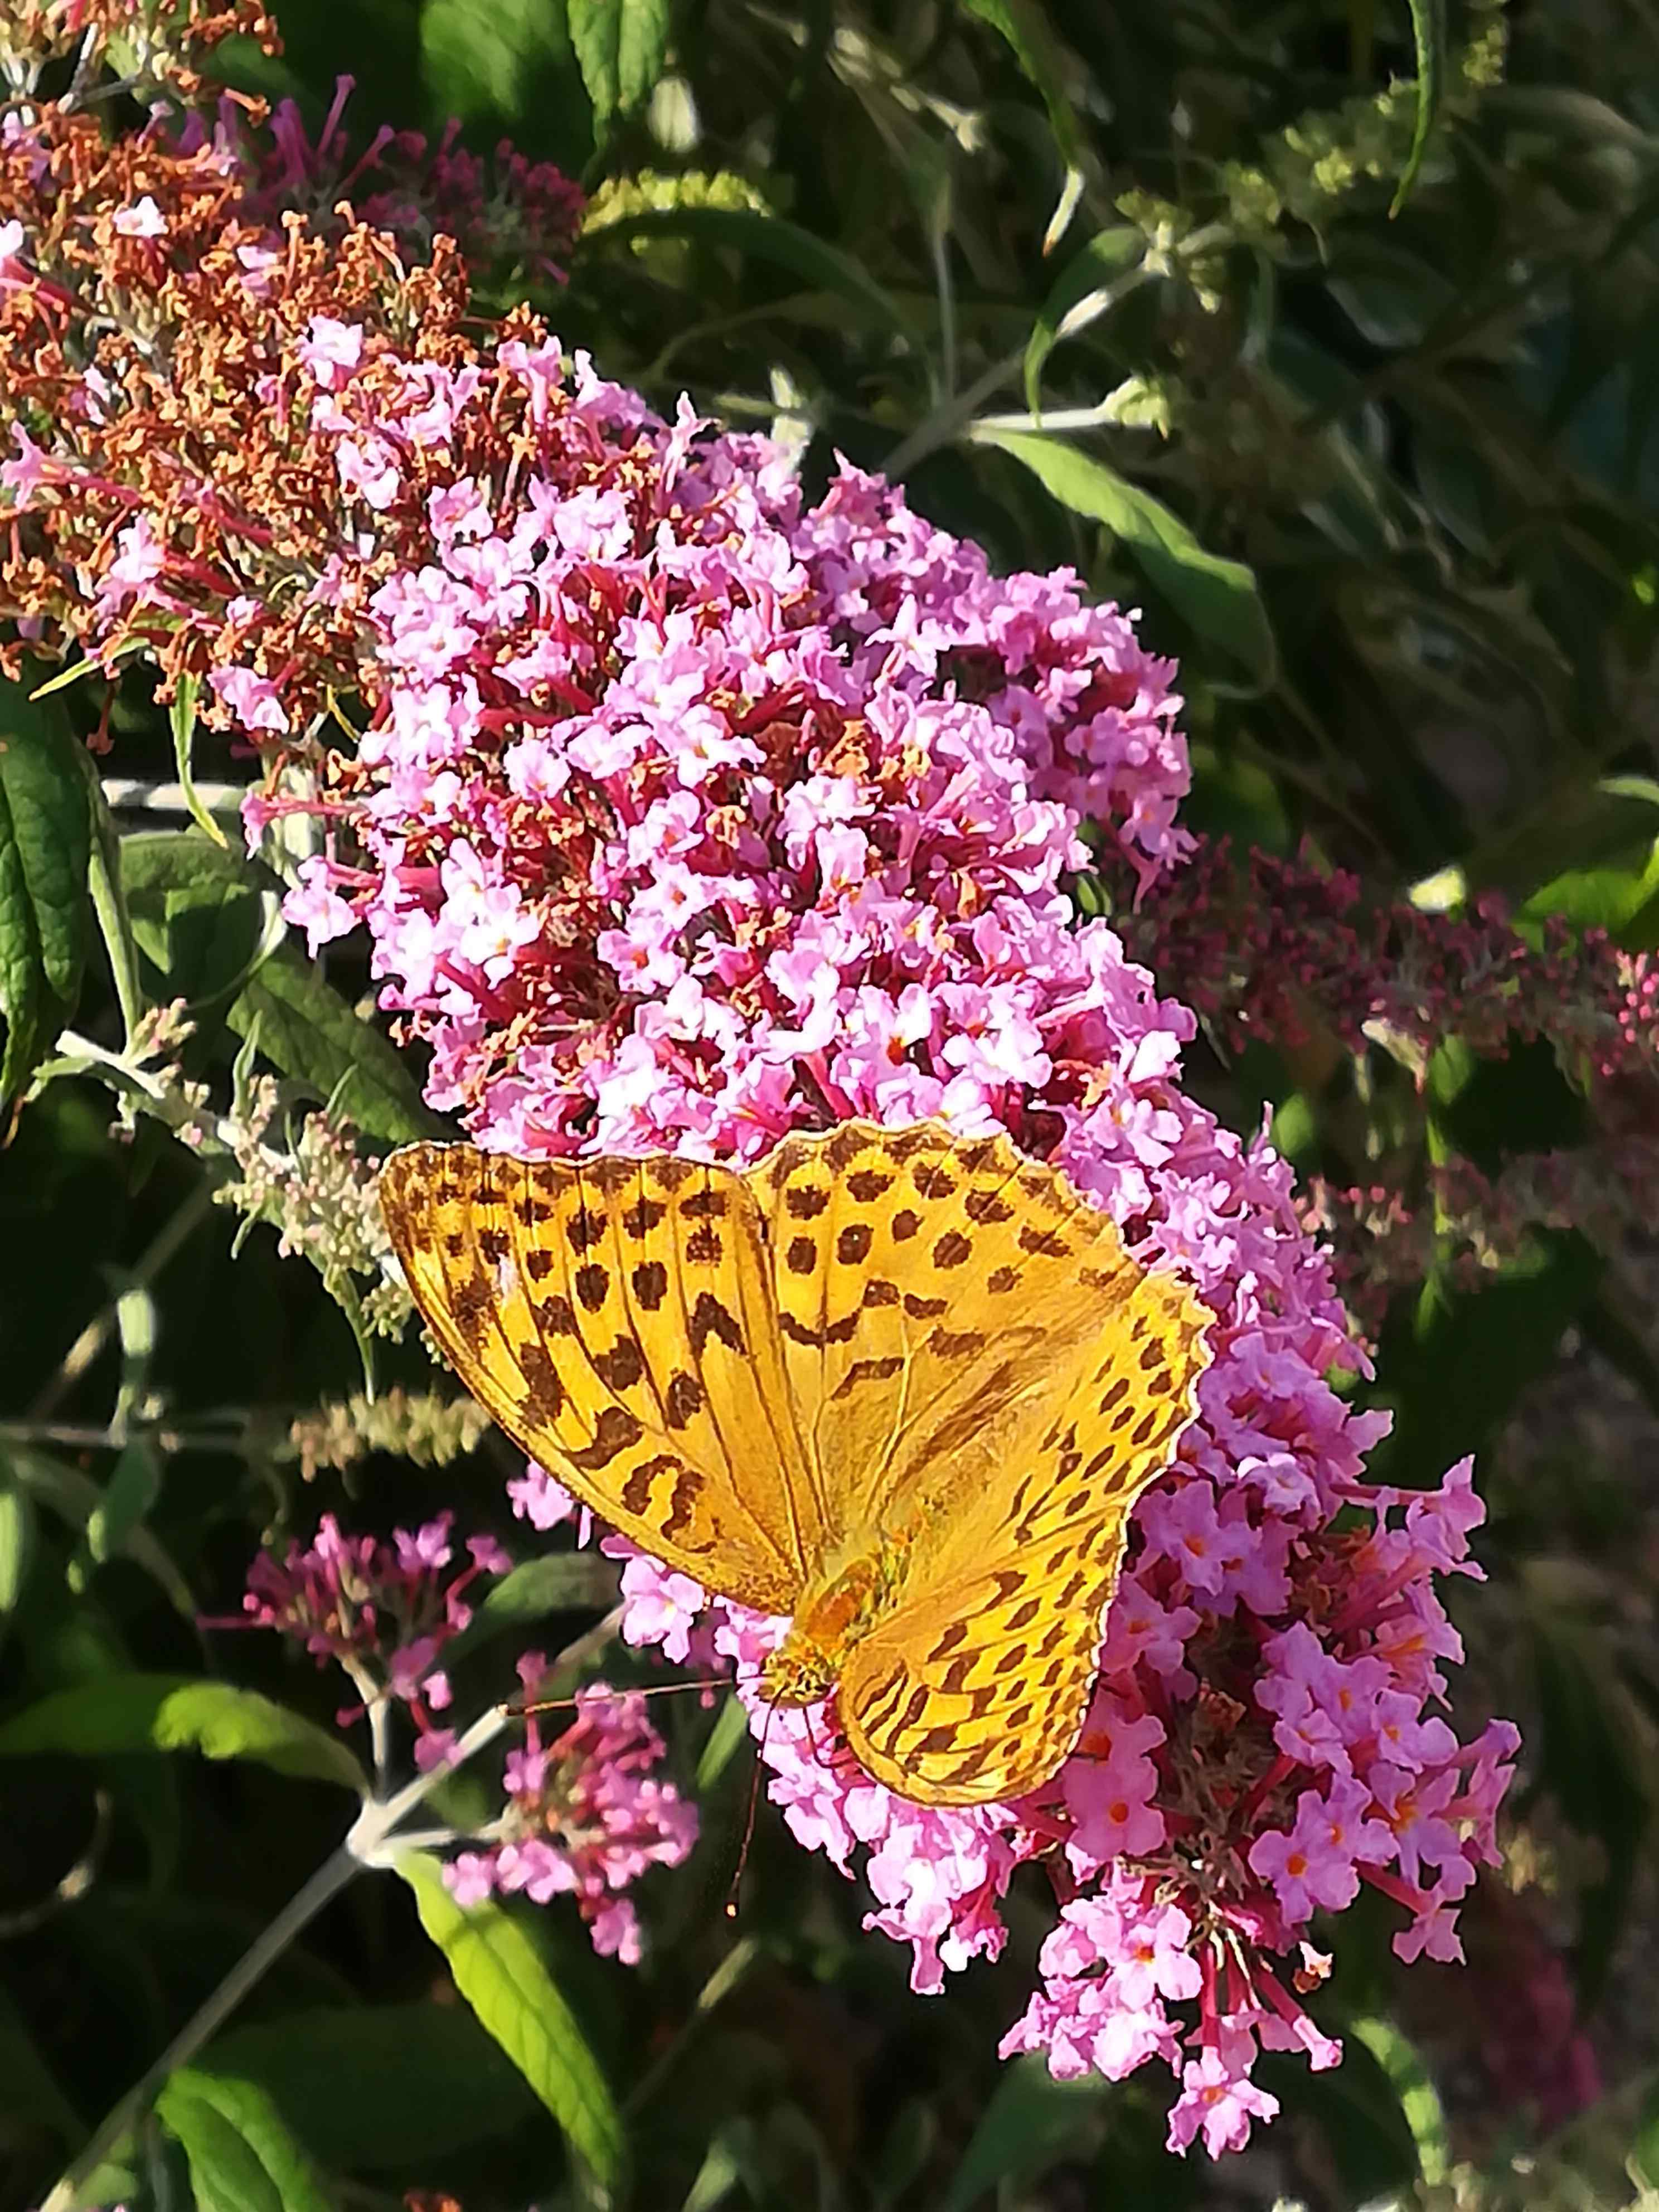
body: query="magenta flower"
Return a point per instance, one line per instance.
(585, 1816)
(381, 1612)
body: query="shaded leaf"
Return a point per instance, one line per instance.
(382, 2086)
(199, 912)
(1583, 1755)
(768, 238)
(133, 1487)
(1025, 27)
(46, 851)
(170, 1712)
(1080, 294)
(242, 2157)
(510, 64)
(206, 920)
(1218, 597)
(500, 1973)
(75, 1497)
(558, 1581)
(307, 1031)
(1030, 2122)
(28, 2087)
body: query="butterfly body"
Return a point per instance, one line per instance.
(862, 1583)
(900, 1386)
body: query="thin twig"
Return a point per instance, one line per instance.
(93, 1337)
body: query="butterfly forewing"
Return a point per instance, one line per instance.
(614, 1319)
(931, 1308)
(977, 1685)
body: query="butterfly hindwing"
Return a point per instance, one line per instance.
(614, 1317)
(975, 1687)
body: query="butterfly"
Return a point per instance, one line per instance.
(902, 1387)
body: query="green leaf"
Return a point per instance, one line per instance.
(45, 850)
(242, 2157)
(200, 913)
(1087, 288)
(28, 2087)
(1585, 1755)
(1418, 2099)
(307, 1031)
(184, 735)
(134, 1485)
(1218, 597)
(1429, 37)
(768, 238)
(378, 2085)
(1030, 2122)
(730, 1730)
(560, 1582)
(619, 44)
(109, 901)
(75, 1497)
(206, 920)
(1024, 26)
(1585, 851)
(172, 1712)
(499, 1972)
(1645, 2144)
(17, 1539)
(510, 64)
(1452, 1362)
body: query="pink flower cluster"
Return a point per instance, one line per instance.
(383, 1612)
(690, 813)
(585, 1816)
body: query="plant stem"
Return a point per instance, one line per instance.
(149, 1264)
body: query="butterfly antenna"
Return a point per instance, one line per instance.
(646, 1690)
(749, 1818)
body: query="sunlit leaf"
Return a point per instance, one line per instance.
(1218, 597)
(501, 1974)
(171, 1712)
(620, 46)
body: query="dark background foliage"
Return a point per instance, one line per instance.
(1384, 483)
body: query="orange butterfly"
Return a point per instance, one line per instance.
(902, 1387)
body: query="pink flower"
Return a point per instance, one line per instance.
(254, 700)
(1218, 2103)
(586, 1816)
(143, 219)
(316, 907)
(331, 350)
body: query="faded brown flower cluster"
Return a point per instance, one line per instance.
(151, 43)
